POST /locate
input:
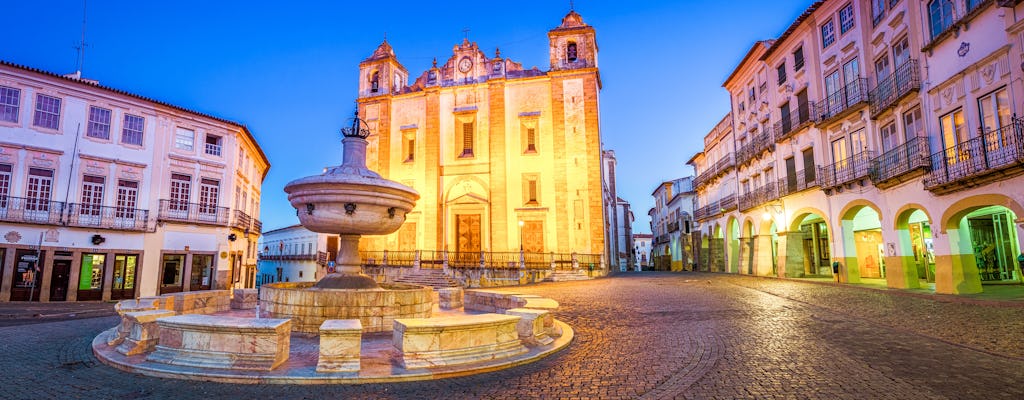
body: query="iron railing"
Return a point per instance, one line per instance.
(848, 170)
(713, 171)
(257, 226)
(673, 226)
(901, 160)
(758, 196)
(891, 89)
(787, 127)
(31, 210)
(758, 144)
(976, 158)
(241, 220)
(798, 182)
(177, 211)
(728, 203)
(842, 101)
(94, 216)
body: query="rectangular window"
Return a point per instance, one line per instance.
(798, 59)
(901, 51)
(127, 198)
(184, 139)
(209, 191)
(954, 132)
(99, 123)
(940, 16)
(213, 145)
(912, 126)
(5, 184)
(410, 149)
(181, 188)
(782, 73)
(882, 69)
(877, 11)
(40, 187)
(787, 122)
(47, 112)
(10, 103)
(531, 140)
(531, 191)
(92, 197)
(888, 136)
(809, 169)
(803, 108)
(994, 110)
(467, 139)
(171, 272)
(124, 272)
(828, 34)
(131, 132)
(752, 95)
(846, 18)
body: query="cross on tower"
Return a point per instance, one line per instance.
(465, 33)
(572, 7)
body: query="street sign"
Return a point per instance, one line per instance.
(29, 258)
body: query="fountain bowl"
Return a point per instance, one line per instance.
(350, 204)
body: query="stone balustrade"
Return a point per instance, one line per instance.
(143, 331)
(244, 299)
(340, 345)
(533, 326)
(222, 342)
(443, 341)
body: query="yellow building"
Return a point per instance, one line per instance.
(504, 158)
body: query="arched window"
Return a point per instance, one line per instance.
(570, 52)
(398, 83)
(374, 82)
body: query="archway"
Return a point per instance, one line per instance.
(863, 247)
(915, 252)
(733, 237)
(716, 250)
(983, 244)
(807, 246)
(703, 255)
(747, 247)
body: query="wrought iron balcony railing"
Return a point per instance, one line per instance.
(257, 226)
(905, 158)
(176, 211)
(787, 127)
(120, 218)
(845, 171)
(987, 157)
(798, 182)
(728, 203)
(891, 89)
(758, 196)
(241, 221)
(31, 210)
(842, 101)
(715, 170)
(758, 144)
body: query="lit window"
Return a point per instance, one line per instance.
(99, 123)
(184, 139)
(47, 112)
(10, 101)
(828, 34)
(131, 133)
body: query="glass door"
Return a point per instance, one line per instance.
(124, 276)
(90, 279)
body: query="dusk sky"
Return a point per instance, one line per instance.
(289, 72)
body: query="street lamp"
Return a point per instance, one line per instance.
(521, 235)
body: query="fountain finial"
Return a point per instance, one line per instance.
(358, 129)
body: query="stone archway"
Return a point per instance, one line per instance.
(912, 261)
(806, 250)
(861, 242)
(983, 239)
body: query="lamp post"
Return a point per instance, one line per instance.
(521, 235)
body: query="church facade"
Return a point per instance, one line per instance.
(505, 159)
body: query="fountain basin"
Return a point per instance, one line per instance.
(350, 204)
(308, 306)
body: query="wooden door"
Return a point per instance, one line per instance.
(533, 236)
(467, 233)
(59, 280)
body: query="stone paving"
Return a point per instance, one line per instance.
(644, 335)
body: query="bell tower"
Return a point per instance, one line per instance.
(381, 73)
(572, 44)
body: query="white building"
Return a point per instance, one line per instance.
(109, 195)
(642, 250)
(671, 222)
(295, 254)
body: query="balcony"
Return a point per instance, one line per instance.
(895, 166)
(842, 102)
(758, 196)
(213, 149)
(30, 210)
(892, 89)
(192, 213)
(992, 156)
(257, 226)
(728, 203)
(846, 171)
(798, 182)
(713, 171)
(242, 221)
(788, 127)
(118, 218)
(673, 226)
(757, 145)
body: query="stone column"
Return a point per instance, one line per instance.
(348, 262)
(186, 273)
(74, 275)
(44, 281)
(9, 266)
(956, 270)
(900, 267)
(108, 275)
(845, 251)
(762, 255)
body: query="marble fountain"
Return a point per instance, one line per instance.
(344, 328)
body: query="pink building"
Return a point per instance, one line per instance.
(108, 195)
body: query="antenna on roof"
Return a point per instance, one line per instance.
(81, 46)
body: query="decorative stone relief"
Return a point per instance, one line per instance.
(12, 237)
(42, 160)
(51, 235)
(988, 73)
(93, 167)
(947, 95)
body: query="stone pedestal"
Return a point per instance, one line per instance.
(244, 299)
(424, 343)
(201, 302)
(340, 345)
(143, 331)
(450, 298)
(531, 326)
(223, 342)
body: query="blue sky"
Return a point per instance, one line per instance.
(289, 71)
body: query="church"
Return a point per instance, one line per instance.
(505, 159)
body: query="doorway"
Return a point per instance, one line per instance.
(124, 276)
(59, 280)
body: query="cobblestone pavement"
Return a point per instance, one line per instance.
(22, 313)
(645, 335)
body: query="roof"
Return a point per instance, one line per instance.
(753, 49)
(789, 31)
(92, 84)
(282, 229)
